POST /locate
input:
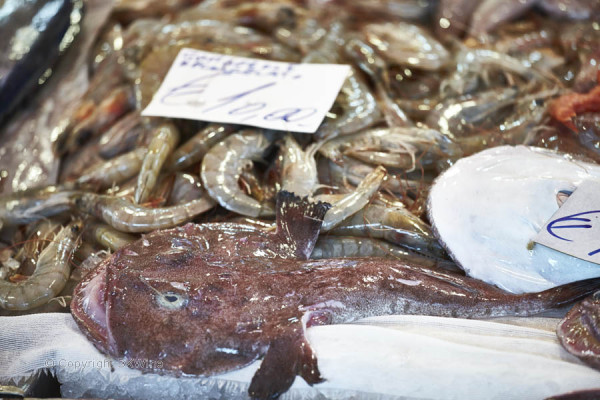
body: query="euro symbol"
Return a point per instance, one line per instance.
(552, 226)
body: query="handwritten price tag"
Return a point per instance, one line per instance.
(575, 228)
(268, 94)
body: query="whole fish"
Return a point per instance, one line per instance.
(190, 306)
(579, 331)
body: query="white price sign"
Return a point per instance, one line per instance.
(267, 94)
(575, 228)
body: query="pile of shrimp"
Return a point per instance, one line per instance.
(430, 82)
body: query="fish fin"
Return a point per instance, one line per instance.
(299, 222)
(566, 294)
(286, 357)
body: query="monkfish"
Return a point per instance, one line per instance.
(181, 300)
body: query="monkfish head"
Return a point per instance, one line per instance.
(168, 316)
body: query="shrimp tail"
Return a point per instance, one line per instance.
(299, 222)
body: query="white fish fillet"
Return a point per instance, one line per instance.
(487, 208)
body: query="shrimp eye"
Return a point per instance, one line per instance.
(171, 300)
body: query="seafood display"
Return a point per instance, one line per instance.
(208, 312)
(461, 127)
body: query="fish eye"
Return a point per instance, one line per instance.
(596, 295)
(171, 300)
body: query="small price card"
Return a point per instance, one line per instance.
(267, 94)
(575, 228)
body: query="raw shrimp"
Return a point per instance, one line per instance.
(221, 169)
(38, 234)
(107, 236)
(264, 16)
(355, 107)
(164, 139)
(299, 168)
(51, 274)
(122, 136)
(395, 9)
(352, 202)
(492, 13)
(396, 225)
(128, 217)
(404, 148)
(351, 246)
(196, 147)
(119, 102)
(407, 44)
(34, 204)
(186, 187)
(353, 172)
(371, 63)
(114, 171)
(455, 117)
(473, 63)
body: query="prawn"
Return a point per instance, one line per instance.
(349, 204)
(50, 276)
(407, 44)
(374, 66)
(34, 204)
(396, 225)
(127, 217)
(355, 107)
(222, 167)
(351, 246)
(107, 236)
(299, 168)
(114, 171)
(164, 139)
(196, 147)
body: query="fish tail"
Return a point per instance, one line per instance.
(299, 221)
(565, 294)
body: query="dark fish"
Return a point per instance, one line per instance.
(579, 331)
(203, 304)
(593, 394)
(34, 33)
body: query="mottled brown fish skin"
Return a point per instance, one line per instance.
(229, 314)
(579, 331)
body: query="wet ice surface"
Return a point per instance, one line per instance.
(379, 358)
(487, 208)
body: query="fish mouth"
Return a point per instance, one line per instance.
(89, 309)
